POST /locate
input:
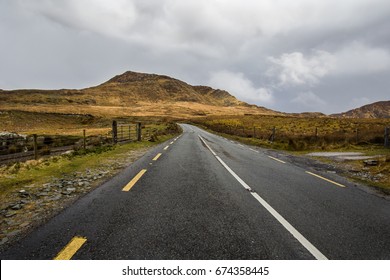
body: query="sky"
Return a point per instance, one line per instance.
(325, 56)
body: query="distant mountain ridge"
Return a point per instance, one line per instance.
(155, 87)
(379, 109)
(132, 94)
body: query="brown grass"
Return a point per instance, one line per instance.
(297, 133)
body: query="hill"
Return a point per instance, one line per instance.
(379, 109)
(131, 94)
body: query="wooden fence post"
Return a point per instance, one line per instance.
(84, 140)
(114, 132)
(139, 138)
(387, 131)
(357, 135)
(272, 138)
(35, 138)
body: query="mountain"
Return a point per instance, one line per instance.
(379, 109)
(132, 94)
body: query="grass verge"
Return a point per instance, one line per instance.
(374, 176)
(34, 191)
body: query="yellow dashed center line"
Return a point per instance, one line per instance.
(157, 156)
(330, 181)
(71, 248)
(277, 159)
(134, 180)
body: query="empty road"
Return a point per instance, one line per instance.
(201, 196)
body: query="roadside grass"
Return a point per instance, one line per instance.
(299, 133)
(34, 191)
(15, 176)
(375, 176)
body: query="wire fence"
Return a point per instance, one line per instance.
(18, 147)
(316, 136)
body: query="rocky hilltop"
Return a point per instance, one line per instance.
(379, 109)
(132, 94)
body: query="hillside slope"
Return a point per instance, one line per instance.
(379, 109)
(132, 94)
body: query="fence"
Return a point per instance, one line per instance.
(15, 147)
(317, 135)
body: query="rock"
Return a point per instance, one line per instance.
(9, 214)
(23, 193)
(68, 191)
(13, 233)
(16, 206)
(43, 194)
(4, 240)
(56, 197)
(370, 162)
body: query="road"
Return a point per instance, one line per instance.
(201, 196)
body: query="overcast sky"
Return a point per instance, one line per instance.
(292, 56)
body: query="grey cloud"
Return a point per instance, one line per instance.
(325, 50)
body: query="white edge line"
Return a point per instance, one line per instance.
(305, 243)
(310, 247)
(245, 185)
(253, 150)
(166, 147)
(208, 147)
(277, 159)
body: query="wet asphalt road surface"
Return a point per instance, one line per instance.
(207, 197)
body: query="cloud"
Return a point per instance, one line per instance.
(359, 59)
(309, 100)
(353, 59)
(111, 18)
(296, 69)
(268, 49)
(241, 87)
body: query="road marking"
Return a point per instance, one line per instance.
(71, 248)
(330, 181)
(277, 159)
(204, 142)
(171, 143)
(166, 147)
(240, 145)
(304, 242)
(157, 156)
(134, 180)
(253, 150)
(245, 185)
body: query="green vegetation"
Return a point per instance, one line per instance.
(298, 136)
(297, 133)
(15, 176)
